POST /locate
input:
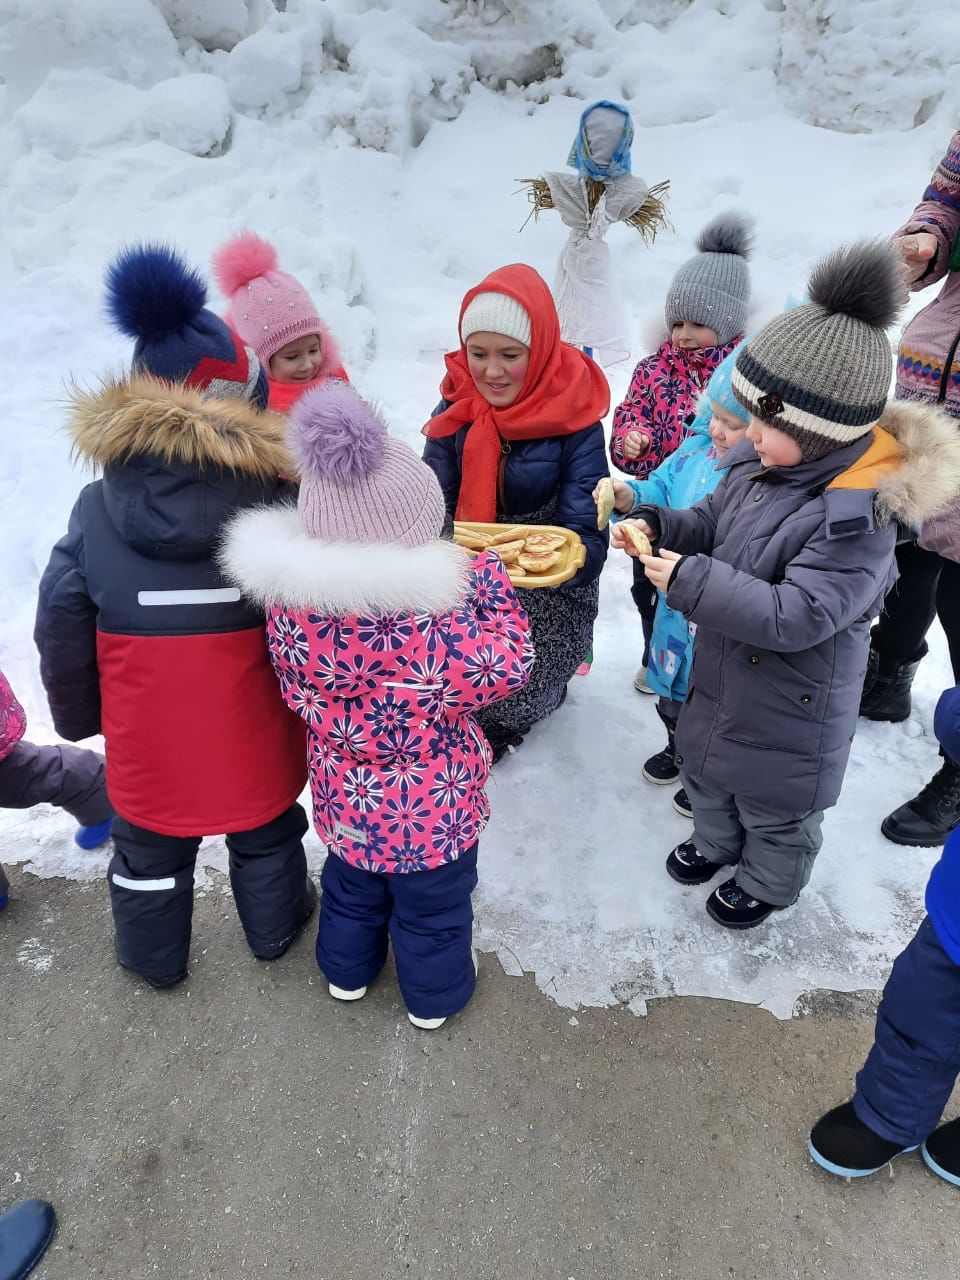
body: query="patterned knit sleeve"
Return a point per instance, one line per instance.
(634, 414)
(489, 651)
(939, 213)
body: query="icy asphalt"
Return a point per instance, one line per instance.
(246, 1125)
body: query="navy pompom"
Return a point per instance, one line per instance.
(152, 292)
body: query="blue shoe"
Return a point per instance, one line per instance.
(25, 1232)
(92, 838)
(4, 899)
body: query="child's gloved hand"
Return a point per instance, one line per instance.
(619, 539)
(622, 496)
(635, 445)
(660, 569)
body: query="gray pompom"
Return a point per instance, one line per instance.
(862, 280)
(728, 233)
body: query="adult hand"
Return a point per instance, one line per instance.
(622, 496)
(659, 569)
(620, 541)
(916, 251)
(635, 445)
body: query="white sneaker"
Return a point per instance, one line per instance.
(431, 1024)
(640, 682)
(341, 993)
(426, 1024)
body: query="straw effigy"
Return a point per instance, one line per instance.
(648, 219)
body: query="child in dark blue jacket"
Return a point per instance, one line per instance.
(911, 1070)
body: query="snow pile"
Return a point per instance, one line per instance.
(378, 147)
(871, 65)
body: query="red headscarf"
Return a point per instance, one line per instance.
(563, 392)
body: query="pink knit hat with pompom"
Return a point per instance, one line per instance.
(358, 484)
(267, 307)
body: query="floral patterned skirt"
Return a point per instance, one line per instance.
(561, 624)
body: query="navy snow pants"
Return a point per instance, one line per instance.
(908, 1077)
(427, 915)
(645, 597)
(151, 891)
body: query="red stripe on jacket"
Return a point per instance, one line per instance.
(198, 739)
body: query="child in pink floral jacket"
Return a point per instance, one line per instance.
(706, 315)
(385, 640)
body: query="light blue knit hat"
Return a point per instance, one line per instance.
(719, 390)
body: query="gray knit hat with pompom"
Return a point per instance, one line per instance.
(821, 373)
(713, 287)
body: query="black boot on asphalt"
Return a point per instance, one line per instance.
(842, 1144)
(941, 1151)
(661, 769)
(309, 906)
(886, 690)
(687, 866)
(734, 908)
(929, 817)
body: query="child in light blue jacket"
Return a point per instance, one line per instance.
(684, 478)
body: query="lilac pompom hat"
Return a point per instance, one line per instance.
(358, 484)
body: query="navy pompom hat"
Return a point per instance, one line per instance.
(156, 298)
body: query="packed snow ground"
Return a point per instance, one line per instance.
(378, 147)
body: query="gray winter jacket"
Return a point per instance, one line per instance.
(784, 569)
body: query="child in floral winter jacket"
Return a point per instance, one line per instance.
(385, 640)
(274, 315)
(706, 315)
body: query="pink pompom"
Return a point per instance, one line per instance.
(241, 260)
(334, 434)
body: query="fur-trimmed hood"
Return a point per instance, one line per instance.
(141, 415)
(927, 479)
(268, 554)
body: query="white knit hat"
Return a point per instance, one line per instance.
(496, 313)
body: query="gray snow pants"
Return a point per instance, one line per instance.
(70, 777)
(773, 852)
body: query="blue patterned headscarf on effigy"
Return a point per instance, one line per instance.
(586, 165)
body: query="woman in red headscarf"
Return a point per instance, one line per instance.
(518, 439)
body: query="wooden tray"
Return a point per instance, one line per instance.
(573, 553)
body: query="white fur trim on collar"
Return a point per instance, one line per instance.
(269, 555)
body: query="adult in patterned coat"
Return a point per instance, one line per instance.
(141, 639)
(518, 439)
(928, 372)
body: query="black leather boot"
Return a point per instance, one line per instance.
(928, 818)
(886, 690)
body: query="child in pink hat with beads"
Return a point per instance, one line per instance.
(386, 640)
(272, 313)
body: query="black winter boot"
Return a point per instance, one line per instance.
(842, 1144)
(886, 689)
(941, 1151)
(661, 768)
(929, 817)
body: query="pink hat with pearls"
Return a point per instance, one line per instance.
(268, 308)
